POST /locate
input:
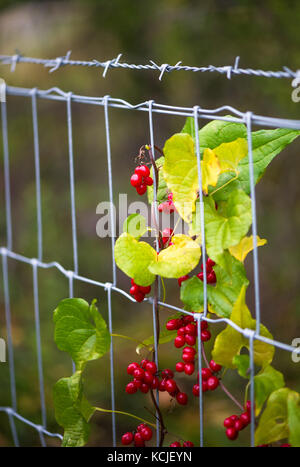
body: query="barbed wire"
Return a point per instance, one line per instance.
(229, 70)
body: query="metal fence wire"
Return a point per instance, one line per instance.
(7, 250)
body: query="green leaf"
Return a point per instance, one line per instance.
(135, 225)
(225, 226)
(223, 295)
(266, 382)
(189, 127)
(230, 342)
(72, 410)
(162, 186)
(134, 259)
(81, 331)
(177, 259)
(230, 154)
(280, 419)
(217, 132)
(242, 363)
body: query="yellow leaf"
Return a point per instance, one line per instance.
(210, 168)
(230, 154)
(241, 250)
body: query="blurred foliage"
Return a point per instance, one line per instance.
(265, 35)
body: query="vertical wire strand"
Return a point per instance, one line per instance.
(155, 213)
(42, 439)
(13, 429)
(38, 341)
(72, 182)
(202, 221)
(200, 382)
(37, 172)
(7, 189)
(71, 295)
(112, 373)
(11, 362)
(110, 187)
(252, 394)
(254, 222)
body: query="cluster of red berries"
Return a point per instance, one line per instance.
(185, 444)
(141, 179)
(138, 291)
(167, 206)
(187, 331)
(143, 433)
(210, 274)
(144, 377)
(234, 424)
(169, 384)
(210, 382)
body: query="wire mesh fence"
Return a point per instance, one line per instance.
(111, 287)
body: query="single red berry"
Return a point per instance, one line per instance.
(131, 388)
(151, 366)
(139, 374)
(196, 390)
(144, 388)
(131, 367)
(206, 373)
(215, 367)
(190, 340)
(204, 325)
(170, 196)
(245, 418)
(212, 383)
(187, 319)
(142, 170)
(141, 189)
(162, 385)
(200, 276)
(205, 335)
(188, 444)
(231, 433)
(179, 341)
(234, 418)
(138, 440)
(182, 398)
(204, 386)
(248, 407)
(136, 180)
(145, 290)
(134, 290)
(155, 383)
(210, 263)
(180, 367)
(139, 297)
(238, 425)
(171, 385)
(148, 181)
(211, 278)
(144, 363)
(228, 423)
(176, 444)
(146, 433)
(137, 383)
(172, 324)
(189, 368)
(191, 329)
(127, 438)
(189, 350)
(148, 377)
(166, 233)
(182, 279)
(167, 373)
(141, 427)
(181, 331)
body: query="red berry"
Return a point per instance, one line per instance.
(127, 438)
(190, 340)
(139, 297)
(206, 373)
(151, 367)
(211, 277)
(180, 367)
(170, 196)
(205, 335)
(155, 383)
(188, 319)
(210, 263)
(166, 233)
(136, 180)
(148, 377)
(181, 331)
(189, 368)
(234, 418)
(204, 386)
(179, 341)
(134, 289)
(196, 389)
(188, 444)
(214, 366)
(200, 276)
(131, 388)
(182, 279)
(167, 373)
(131, 367)
(141, 426)
(138, 440)
(146, 433)
(176, 444)
(171, 385)
(132, 282)
(191, 329)
(248, 407)
(141, 189)
(162, 385)
(148, 181)
(145, 290)
(212, 383)
(189, 350)
(188, 358)
(238, 425)
(137, 383)
(228, 423)
(142, 170)
(139, 374)
(144, 363)
(182, 398)
(144, 388)
(172, 324)
(245, 418)
(231, 433)
(204, 325)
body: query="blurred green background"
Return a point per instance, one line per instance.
(265, 35)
